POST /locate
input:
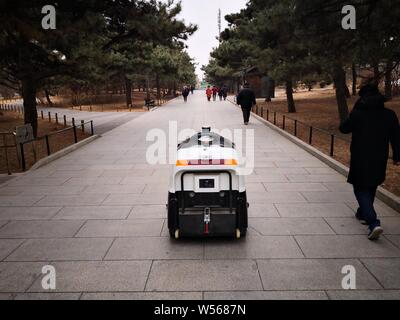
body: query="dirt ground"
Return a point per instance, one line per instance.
(318, 109)
(8, 122)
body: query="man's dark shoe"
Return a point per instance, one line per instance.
(360, 218)
(375, 233)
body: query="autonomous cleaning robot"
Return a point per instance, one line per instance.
(207, 195)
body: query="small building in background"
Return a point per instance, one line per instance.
(262, 84)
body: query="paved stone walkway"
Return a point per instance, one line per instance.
(98, 216)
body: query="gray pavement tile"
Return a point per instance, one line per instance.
(154, 296)
(320, 171)
(128, 173)
(316, 178)
(93, 213)
(253, 247)
(301, 164)
(40, 229)
(121, 228)
(309, 274)
(329, 197)
(314, 210)
(99, 276)
(146, 180)
(7, 246)
(290, 226)
(387, 271)
(275, 197)
(148, 212)
(28, 213)
(391, 225)
(276, 177)
(346, 246)
(115, 189)
(267, 171)
(46, 190)
(263, 211)
(15, 201)
(88, 173)
(6, 296)
(339, 186)
(93, 181)
(364, 294)
(19, 276)
(295, 187)
(381, 209)
(203, 275)
(157, 248)
(81, 200)
(61, 250)
(266, 295)
(395, 239)
(255, 187)
(137, 199)
(28, 181)
(47, 296)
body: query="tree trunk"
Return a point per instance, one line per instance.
(354, 85)
(289, 96)
(29, 97)
(158, 87)
(148, 88)
(47, 94)
(174, 89)
(128, 92)
(339, 78)
(388, 80)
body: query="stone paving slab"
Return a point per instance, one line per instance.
(253, 247)
(28, 213)
(204, 275)
(309, 274)
(61, 250)
(15, 201)
(345, 247)
(386, 271)
(364, 295)
(295, 187)
(290, 226)
(121, 228)
(313, 210)
(266, 295)
(80, 200)
(93, 213)
(155, 248)
(391, 225)
(40, 229)
(102, 276)
(7, 246)
(161, 296)
(18, 277)
(47, 296)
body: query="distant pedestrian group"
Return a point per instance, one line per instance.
(214, 92)
(186, 91)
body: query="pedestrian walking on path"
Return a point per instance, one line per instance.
(214, 92)
(185, 93)
(246, 99)
(373, 127)
(224, 90)
(209, 93)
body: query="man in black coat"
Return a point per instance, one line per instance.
(373, 127)
(246, 99)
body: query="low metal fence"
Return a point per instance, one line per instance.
(282, 120)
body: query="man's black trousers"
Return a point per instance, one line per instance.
(246, 114)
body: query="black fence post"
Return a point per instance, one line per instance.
(41, 114)
(47, 145)
(65, 120)
(74, 130)
(21, 146)
(311, 136)
(275, 117)
(267, 114)
(295, 128)
(56, 118)
(284, 123)
(49, 116)
(83, 125)
(262, 112)
(332, 145)
(91, 128)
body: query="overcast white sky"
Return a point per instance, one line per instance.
(204, 13)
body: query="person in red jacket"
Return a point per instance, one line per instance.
(209, 93)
